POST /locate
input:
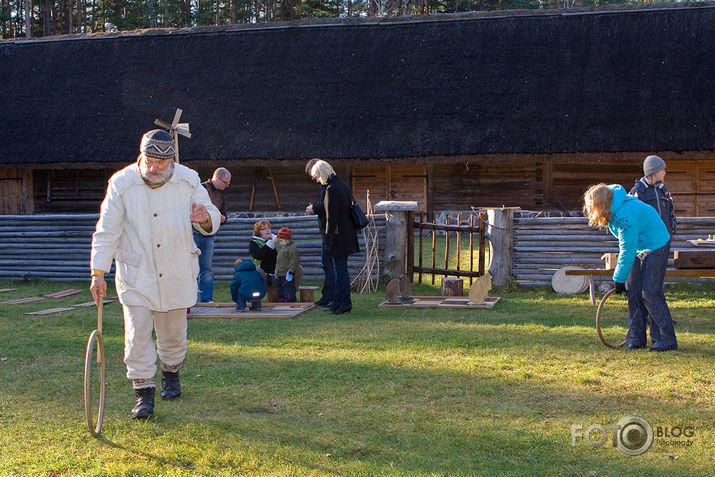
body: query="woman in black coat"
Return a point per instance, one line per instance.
(338, 232)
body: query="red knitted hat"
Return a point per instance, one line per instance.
(284, 233)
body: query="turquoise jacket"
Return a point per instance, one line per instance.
(638, 228)
(246, 281)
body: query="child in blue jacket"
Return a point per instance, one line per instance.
(247, 285)
(643, 241)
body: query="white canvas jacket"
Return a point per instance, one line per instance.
(149, 235)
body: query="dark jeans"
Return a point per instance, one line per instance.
(206, 273)
(286, 289)
(342, 282)
(255, 301)
(328, 292)
(644, 288)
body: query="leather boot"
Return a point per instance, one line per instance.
(144, 407)
(170, 385)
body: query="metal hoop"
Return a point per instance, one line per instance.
(598, 321)
(96, 336)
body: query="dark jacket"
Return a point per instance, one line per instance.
(262, 255)
(657, 196)
(246, 280)
(319, 208)
(340, 234)
(216, 197)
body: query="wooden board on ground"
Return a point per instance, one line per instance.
(444, 302)
(7, 289)
(268, 310)
(63, 293)
(47, 312)
(23, 300)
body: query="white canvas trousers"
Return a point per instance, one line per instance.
(139, 352)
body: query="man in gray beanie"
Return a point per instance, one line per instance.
(145, 225)
(651, 190)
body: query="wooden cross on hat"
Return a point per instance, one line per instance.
(175, 128)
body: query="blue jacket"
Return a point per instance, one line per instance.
(246, 280)
(638, 228)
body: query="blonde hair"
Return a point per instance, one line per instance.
(321, 170)
(257, 227)
(597, 204)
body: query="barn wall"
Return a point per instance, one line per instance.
(532, 182)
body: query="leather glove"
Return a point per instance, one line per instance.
(289, 277)
(620, 287)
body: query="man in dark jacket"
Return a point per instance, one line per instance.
(215, 186)
(651, 190)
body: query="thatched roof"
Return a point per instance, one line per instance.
(604, 80)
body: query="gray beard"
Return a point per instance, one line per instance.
(155, 179)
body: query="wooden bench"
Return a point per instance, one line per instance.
(673, 272)
(307, 293)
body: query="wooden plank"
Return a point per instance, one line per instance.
(443, 302)
(7, 289)
(23, 300)
(268, 310)
(47, 312)
(696, 273)
(63, 293)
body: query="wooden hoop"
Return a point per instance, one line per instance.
(598, 321)
(94, 337)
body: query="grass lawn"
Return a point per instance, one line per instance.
(375, 392)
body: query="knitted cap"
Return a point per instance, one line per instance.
(159, 144)
(653, 164)
(284, 233)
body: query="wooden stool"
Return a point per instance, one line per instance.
(307, 293)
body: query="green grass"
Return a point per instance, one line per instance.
(376, 392)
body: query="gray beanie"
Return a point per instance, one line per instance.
(158, 143)
(653, 164)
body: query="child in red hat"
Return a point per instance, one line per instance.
(287, 264)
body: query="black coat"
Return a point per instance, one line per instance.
(339, 231)
(658, 196)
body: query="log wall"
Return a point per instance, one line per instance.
(57, 247)
(543, 245)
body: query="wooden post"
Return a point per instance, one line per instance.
(482, 240)
(500, 232)
(422, 219)
(410, 258)
(396, 214)
(434, 243)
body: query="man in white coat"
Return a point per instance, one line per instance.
(145, 225)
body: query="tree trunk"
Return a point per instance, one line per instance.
(28, 19)
(68, 17)
(79, 16)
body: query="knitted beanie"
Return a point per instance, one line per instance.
(653, 164)
(159, 144)
(284, 233)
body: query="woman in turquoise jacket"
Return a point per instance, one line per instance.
(642, 259)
